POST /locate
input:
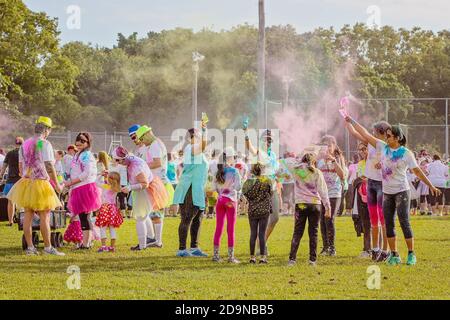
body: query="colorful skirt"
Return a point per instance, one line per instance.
(108, 216)
(73, 232)
(37, 195)
(159, 196)
(142, 204)
(84, 199)
(170, 191)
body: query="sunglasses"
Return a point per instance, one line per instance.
(134, 137)
(81, 140)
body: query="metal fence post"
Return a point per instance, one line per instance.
(105, 141)
(446, 128)
(386, 115)
(69, 138)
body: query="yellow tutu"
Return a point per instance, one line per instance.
(37, 195)
(170, 192)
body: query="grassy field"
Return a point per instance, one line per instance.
(158, 274)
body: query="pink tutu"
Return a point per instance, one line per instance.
(74, 233)
(84, 199)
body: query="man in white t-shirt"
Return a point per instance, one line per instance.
(67, 160)
(156, 157)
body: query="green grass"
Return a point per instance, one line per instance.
(158, 274)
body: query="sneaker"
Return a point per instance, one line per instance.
(430, 213)
(324, 252)
(312, 263)
(154, 244)
(233, 260)
(383, 256)
(252, 260)
(411, 260)
(365, 255)
(111, 249)
(393, 260)
(136, 248)
(291, 263)
(54, 252)
(31, 251)
(376, 255)
(263, 260)
(150, 241)
(197, 252)
(332, 252)
(216, 258)
(183, 253)
(103, 249)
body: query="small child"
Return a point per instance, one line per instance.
(227, 184)
(211, 197)
(109, 216)
(73, 233)
(258, 191)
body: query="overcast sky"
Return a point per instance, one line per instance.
(101, 20)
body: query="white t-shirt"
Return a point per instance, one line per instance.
(2, 159)
(140, 151)
(122, 170)
(394, 167)
(213, 167)
(438, 173)
(353, 170)
(67, 162)
(157, 150)
(373, 158)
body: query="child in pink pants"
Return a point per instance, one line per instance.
(227, 182)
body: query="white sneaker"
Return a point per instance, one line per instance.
(54, 252)
(31, 252)
(364, 255)
(292, 263)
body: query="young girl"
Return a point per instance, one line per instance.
(310, 190)
(258, 190)
(332, 164)
(395, 161)
(211, 196)
(84, 196)
(109, 216)
(73, 233)
(227, 185)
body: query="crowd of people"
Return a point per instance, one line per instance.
(384, 180)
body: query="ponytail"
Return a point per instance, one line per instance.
(220, 175)
(310, 160)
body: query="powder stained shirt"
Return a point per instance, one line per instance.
(394, 166)
(373, 159)
(332, 179)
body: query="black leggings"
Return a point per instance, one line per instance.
(258, 228)
(84, 221)
(303, 212)
(397, 204)
(327, 227)
(191, 217)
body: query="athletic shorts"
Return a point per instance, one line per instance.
(7, 187)
(439, 200)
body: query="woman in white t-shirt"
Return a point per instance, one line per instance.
(438, 175)
(395, 161)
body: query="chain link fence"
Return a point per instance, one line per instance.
(423, 120)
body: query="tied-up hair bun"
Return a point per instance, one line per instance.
(120, 153)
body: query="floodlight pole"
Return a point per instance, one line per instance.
(196, 57)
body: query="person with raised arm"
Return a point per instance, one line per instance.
(375, 190)
(190, 191)
(395, 161)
